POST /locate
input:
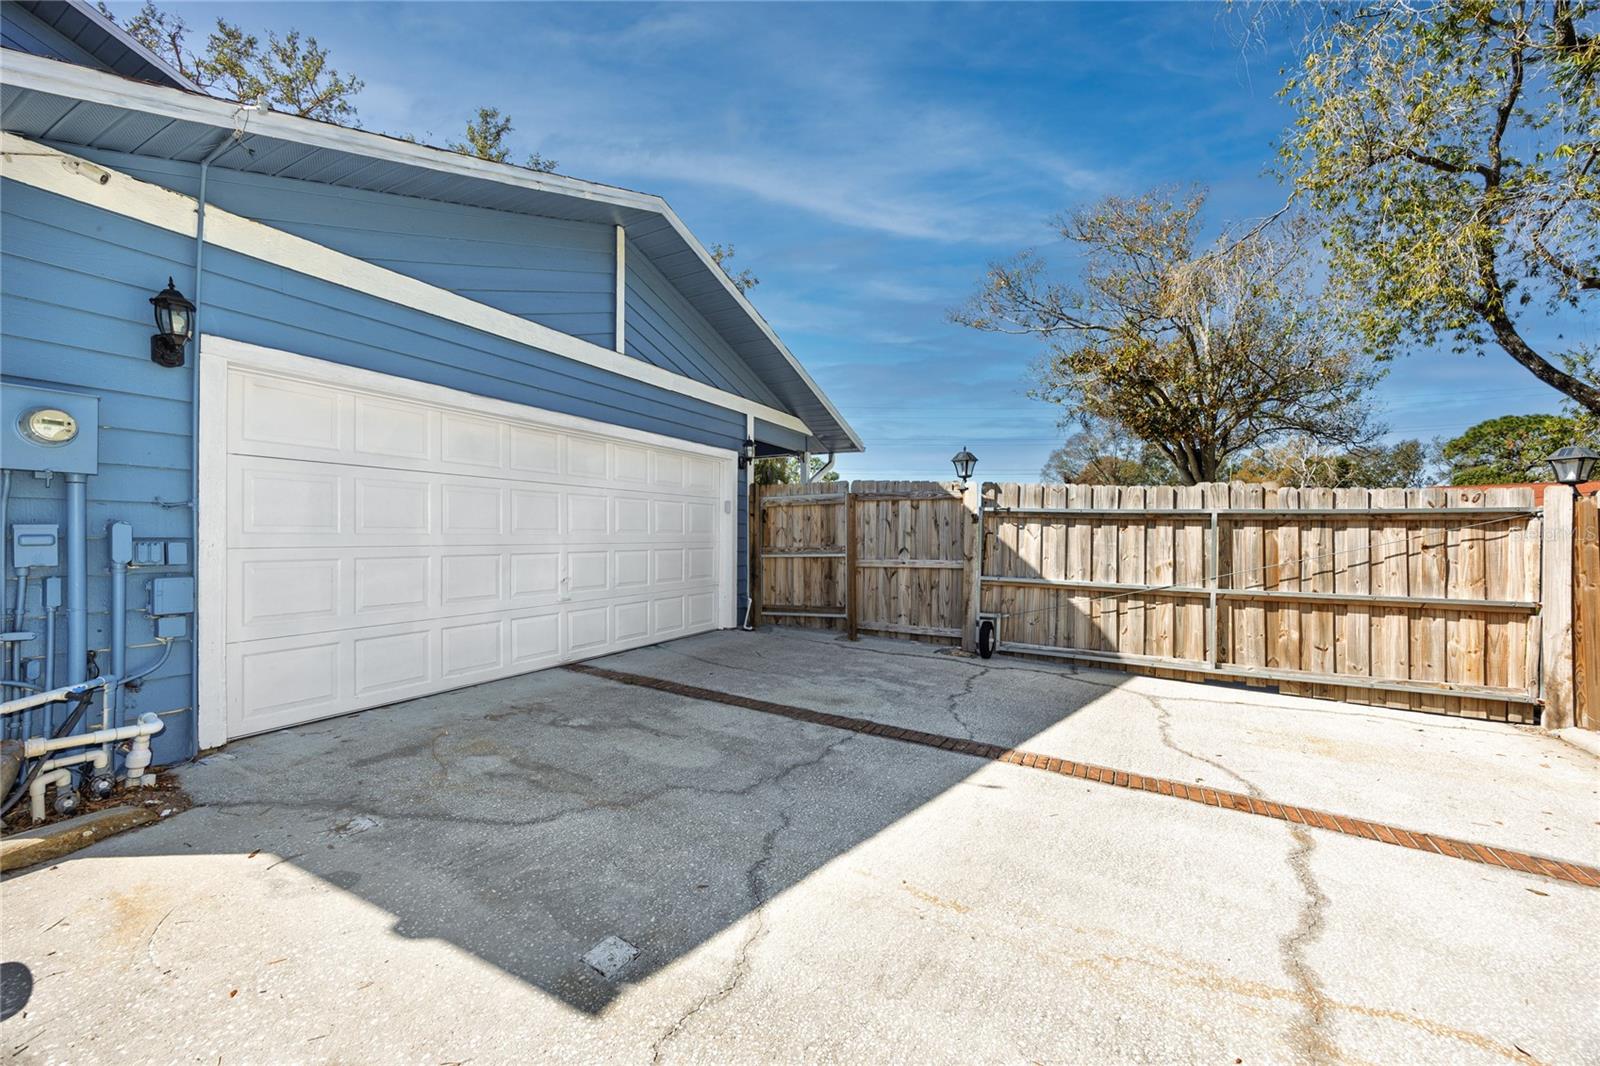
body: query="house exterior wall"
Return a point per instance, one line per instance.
(74, 288)
(556, 272)
(665, 329)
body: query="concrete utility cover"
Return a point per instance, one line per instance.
(610, 956)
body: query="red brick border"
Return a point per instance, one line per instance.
(1449, 847)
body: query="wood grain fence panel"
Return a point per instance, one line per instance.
(1131, 571)
(1161, 569)
(1319, 592)
(1079, 566)
(1103, 568)
(1586, 612)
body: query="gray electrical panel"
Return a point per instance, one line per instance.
(172, 595)
(49, 430)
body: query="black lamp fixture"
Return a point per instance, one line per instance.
(174, 326)
(964, 461)
(747, 454)
(1573, 464)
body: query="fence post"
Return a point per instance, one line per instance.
(852, 532)
(1555, 597)
(974, 569)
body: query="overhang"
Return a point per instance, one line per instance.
(69, 105)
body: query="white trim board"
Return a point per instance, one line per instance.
(219, 355)
(89, 183)
(81, 83)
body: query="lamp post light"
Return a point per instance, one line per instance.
(1572, 465)
(964, 461)
(174, 326)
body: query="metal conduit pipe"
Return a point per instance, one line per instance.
(194, 413)
(18, 616)
(77, 605)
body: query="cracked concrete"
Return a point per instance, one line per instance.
(758, 893)
(801, 894)
(1309, 1035)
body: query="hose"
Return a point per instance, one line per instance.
(84, 699)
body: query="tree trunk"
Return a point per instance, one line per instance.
(1505, 332)
(1493, 310)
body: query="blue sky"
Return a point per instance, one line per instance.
(867, 161)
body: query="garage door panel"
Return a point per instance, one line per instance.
(293, 503)
(380, 548)
(384, 662)
(275, 592)
(273, 416)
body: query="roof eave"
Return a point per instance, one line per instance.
(114, 90)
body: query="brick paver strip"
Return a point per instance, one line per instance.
(1559, 870)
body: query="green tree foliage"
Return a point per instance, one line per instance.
(786, 471)
(1205, 353)
(290, 73)
(1512, 448)
(744, 280)
(486, 139)
(1301, 463)
(1453, 149)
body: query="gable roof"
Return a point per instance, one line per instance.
(66, 104)
(84, 25)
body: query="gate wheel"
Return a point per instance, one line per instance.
(986, 638)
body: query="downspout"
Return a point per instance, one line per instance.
(751, 528)
(194, 422)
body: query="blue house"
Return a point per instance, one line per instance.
(440, 420)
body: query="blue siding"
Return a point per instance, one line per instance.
(74, 289)
(558, 273)
(22, 30)
(664, 328)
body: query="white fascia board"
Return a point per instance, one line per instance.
(89, 183)
(81, 83)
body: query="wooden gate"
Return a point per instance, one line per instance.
(887, 557)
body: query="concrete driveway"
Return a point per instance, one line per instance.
(420, 883)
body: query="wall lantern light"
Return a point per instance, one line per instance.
(174, 326)
(964, 461)
(1572, 465)
(747, 454)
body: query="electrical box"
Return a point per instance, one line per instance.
(161, 553)
(120, 535)
(49, 430)
(172, 595)
(52, 592)
(35, 545)
(172, 627)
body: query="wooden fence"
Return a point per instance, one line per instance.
(1430, 599)
(907, 577)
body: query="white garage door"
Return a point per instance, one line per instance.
(386, 540)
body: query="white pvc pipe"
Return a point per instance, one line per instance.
(56, 772)
(34, 699)
(59, 778)
(147, 725)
